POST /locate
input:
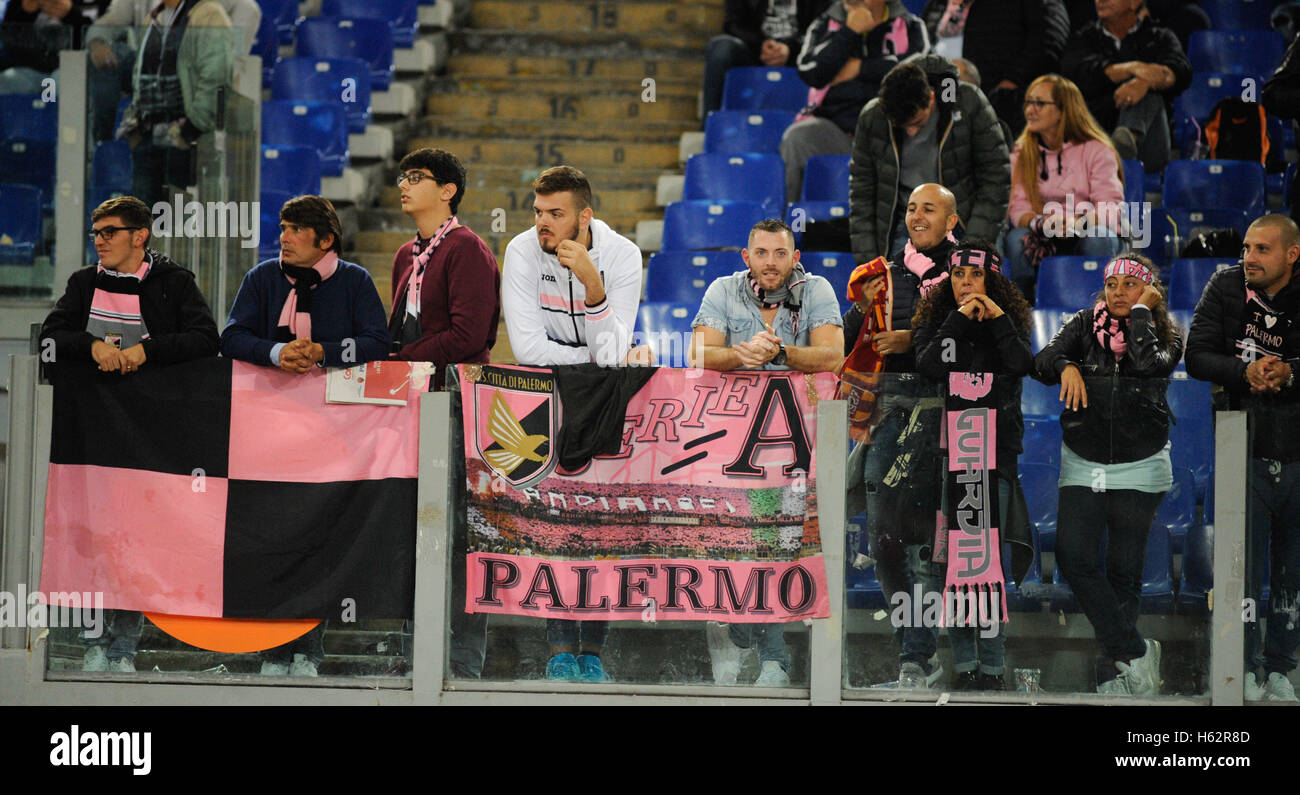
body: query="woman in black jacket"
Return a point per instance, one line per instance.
(1115, 466)
(978, 322)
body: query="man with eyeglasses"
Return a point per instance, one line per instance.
(134, 307)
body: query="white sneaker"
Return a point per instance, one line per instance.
(911, 677)
(1131, 679)
(274, 669)
(723, 653)
(1148, 666)
(302, 666)
(122, 665)
(96, 659)
(1253, 691)
(1115, 687)
(772, 675)
(1279, 688)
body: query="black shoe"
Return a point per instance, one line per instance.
(966, 680)
(991, 682)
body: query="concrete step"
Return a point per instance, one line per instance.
(514, 199)
(662, 131)
(642, 85)
(625, 106)
(631, 45)
(547, 152)
(580, 16)
(501, 65)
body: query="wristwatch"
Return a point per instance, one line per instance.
(779, 358)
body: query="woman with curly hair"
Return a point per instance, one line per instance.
(978, 322)
(1112, 361)
(1066, 183)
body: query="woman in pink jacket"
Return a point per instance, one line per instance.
(1066, 183)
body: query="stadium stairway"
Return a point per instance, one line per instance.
(530, 85)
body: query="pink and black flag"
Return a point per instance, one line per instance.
(221, 489)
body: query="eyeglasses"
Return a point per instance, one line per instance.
(413, 177)
(1038, 104)
(106, 232)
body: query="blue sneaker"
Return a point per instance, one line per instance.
(590, 669)
(563, 667)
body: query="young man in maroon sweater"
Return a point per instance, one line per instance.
(446, 283)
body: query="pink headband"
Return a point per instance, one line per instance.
(1129, 267)
(975, 258)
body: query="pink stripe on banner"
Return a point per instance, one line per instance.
(282, 429)
(118, 303)
(738, 592)
(555, 302)
(146, 540)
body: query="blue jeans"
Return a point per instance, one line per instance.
(1273, 540)
(970, 650)
(1101, 542)
(562, 633)
(724, 52)
(769, 639)
(1025, 275)
(121, 635)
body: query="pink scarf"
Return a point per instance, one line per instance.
(414, 280)
(919, 264)
(1111, 331)
(296, 314)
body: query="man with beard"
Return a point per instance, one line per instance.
(570, 290)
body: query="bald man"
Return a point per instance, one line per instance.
(896, 535)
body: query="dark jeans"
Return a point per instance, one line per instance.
(1273, 540)
(561, 632)
(312, 645)
(724, 52)
(768, 639)
(156, 167)
(121, 634)
(1101, 542)
(1149, 122)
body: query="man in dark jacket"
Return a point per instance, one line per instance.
(1129, 71)
(845, 55)
(1011, 42)
(756, 33)
(134, 307)
(1281, 97)
(925, 126)
(1245, 337)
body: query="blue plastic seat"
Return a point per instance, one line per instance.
(1188, 277)
(1042, 440)
(1038, 399)
(1069, 282)
(1134, 182)
(371, 40)
(21, 230)
(799, 214)
(28, 162)
(269, 204)
(28, 117)
(741, 131)
(1239, 14)
(764, 88)
(1215, 183)
(322, 124)
(1047, 321)
(695, 225)
(266, 44)
(1235, 51)
(111, 166)
(1041, 483)
(835, 267)
(1192, 107)
(666, 328)
(1027, 596)
(683, 276)
(1192, 435)
(1177, 512)
(1157, 573)
(826, 178)
(1198, 571)
(325, 80)
(1172, 228)
(402, 16)
(743, 177)
(292, 169)
(283, 16)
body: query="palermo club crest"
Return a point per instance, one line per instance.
(517, 423)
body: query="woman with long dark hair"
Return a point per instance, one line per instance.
(1115, 466)
(978, 322)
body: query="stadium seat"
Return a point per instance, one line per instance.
(269, 204)
(266, 45)
(1172, 228)
(1027, 596)
(1239, 51)
(745, 177)
(371, 40)
(1192, 434)
(292, 169)
(111, 166)
(1069, 282)
(1038, 399)
(693, 225)
(1288, 184)
(1177, 513)
(1198, 571)
(799, 214)
(323, 124)
(862, 589)
(1183, 319)
(1047, 321)
(1188, 277)
(20, 224)
(659, 323)
(1193, 106)
(1157, 573)
(1239, 14)
(683, 276)
(1134, 182)
(1042, 440)
(29, 162)
(283, 15)
(1215, 183)
(1041, 486)
(742, 131)
(764, 88)
(323, 80)
(28, 117)
(833, 266)
(402, 16)
(826, 178)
